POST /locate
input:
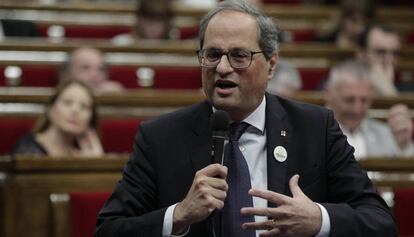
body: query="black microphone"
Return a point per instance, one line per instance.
(219, 123)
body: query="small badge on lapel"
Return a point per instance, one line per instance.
(283, 133)
(280, 153)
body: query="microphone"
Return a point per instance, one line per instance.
(219, 123)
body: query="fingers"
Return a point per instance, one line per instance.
(213, 170)
(270, 196)
(90, 144)
(261, 225)
(294, 187)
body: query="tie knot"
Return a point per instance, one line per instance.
(237, 129)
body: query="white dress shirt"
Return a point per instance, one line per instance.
(252, 144)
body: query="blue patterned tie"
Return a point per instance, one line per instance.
(238, 179)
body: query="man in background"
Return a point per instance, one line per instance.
(87, 64)
(379, 48)
(349, 93)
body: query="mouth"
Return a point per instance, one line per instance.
(225, 84)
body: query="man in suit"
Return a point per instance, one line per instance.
(349, 94)
(169, 186)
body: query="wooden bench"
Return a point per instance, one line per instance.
(27, 209)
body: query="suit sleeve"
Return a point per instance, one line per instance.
(132, 209)
(354, 207)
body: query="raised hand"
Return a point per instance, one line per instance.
(293, 216)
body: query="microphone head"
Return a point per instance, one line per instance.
(219, 122)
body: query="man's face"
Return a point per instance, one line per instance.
(382, 48)
(350, 100)
(88, 65)
(238, 91)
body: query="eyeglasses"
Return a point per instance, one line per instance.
(382, 52)
(238, 58)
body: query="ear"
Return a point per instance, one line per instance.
(272, 65)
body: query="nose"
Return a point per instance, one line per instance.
(224, 67)
(390, 58)
(359, 108)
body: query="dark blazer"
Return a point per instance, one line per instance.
(170, 149)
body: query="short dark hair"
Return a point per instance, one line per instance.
(363, 39)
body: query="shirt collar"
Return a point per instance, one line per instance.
(257, 118)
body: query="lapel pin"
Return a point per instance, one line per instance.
(280, 153)
(283, 133)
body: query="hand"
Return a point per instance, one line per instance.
(382, 78)
(207, 193)
(89, 145)
(401, 125)
(293, 216)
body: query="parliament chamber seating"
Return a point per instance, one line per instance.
(117, 134)
(84, 208)
(45, 75)
(106, 32)
(165, 77)
(88, 183)
(404, 210)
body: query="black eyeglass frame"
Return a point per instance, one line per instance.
(199, 53)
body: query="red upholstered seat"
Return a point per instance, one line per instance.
(87, 31)
(42, 75)
(313, 77)
(117, 135)
(11, 130)
(84, 210)
(410, 37)
(404, 210)
(164, 77)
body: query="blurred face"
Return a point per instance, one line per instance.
(88, 65)
(153, 28)
(238, 91)
(383, 48)
(354, 25)
(350, 100)
(72, 111)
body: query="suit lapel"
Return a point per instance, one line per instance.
(199, 144)
(279, 132)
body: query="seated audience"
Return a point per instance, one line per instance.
(286, 81)
(349, 94)
(379, 47)
(354, 18)
(153, 21)
(68, 126)
(88, 65)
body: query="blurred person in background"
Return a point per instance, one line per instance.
(355, 16)
(68, 127)
(88, 65)
(286, 81)
(153, 21)
(380, 47)
(349, 94)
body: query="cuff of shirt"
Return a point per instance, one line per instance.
(168, 223)
(326, 222)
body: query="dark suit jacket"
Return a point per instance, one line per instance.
(170, 149)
